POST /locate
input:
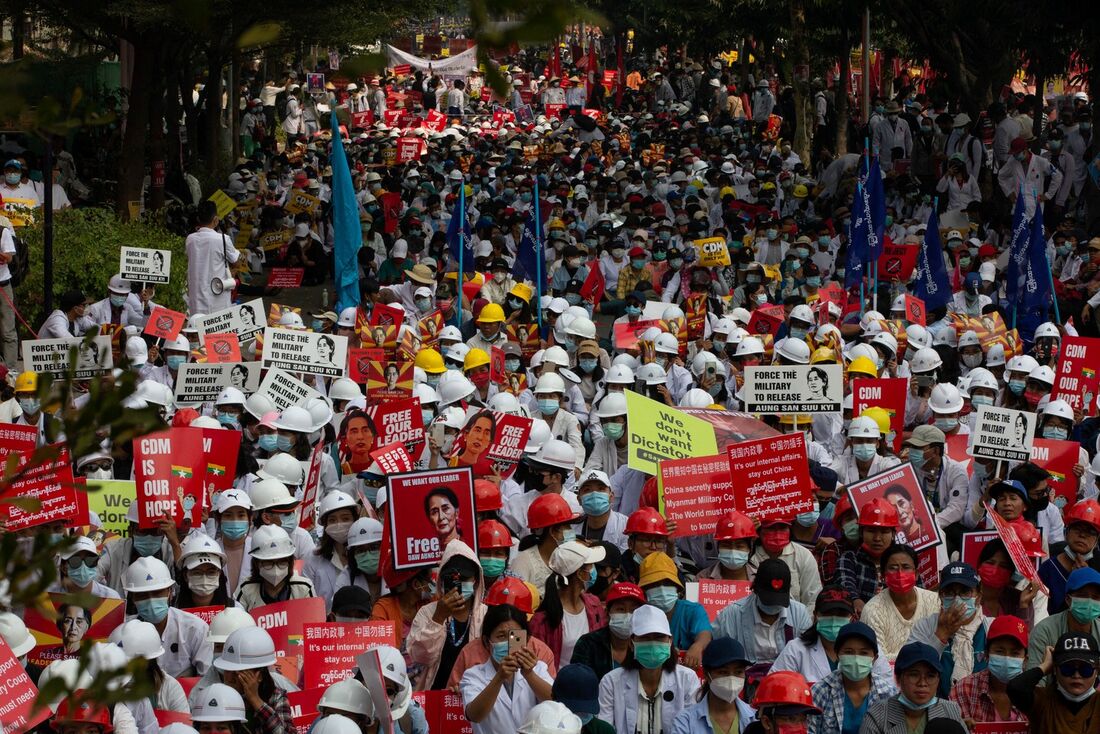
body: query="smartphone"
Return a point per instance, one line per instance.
(514, 642)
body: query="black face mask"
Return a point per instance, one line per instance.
(534, 481)
(600, 586)
(1038, 505)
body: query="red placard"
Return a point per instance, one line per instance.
(390, 118)
(164, 717)
(168, 469)
(303, 707)
(286, 277)
(627, 333)
(164, 323)
(223, 348)
(695, 493)
(435, 120)
(362, 120)
(490, 442)
(957, 449)
(392, 459)
(220, 448)
(1078, 377)
(1058, 458)
(50, 482)
(496, 365)
(309, 488)
(1000, 727)
(900, 487)
(408, 149)
(763, 322)
(444, 711)
(554, 110)
(771, 477)
(331, 649)
(594, 285)
(19, 695)
(717, 594)
(888, 393)
(399, 421)
(695, 309)
(972, 544)
(609, 77)
(915, 312)
(423, 517)
(285, 621)
(206, 614)
(897, 261)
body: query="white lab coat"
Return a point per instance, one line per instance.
(187, 652)
(57, 326)
(133, 312)
(209, 255)
(323, 573)
(510, 710)
(619, 696)
(813, 663)
(514, 514)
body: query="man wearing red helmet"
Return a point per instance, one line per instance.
(736, 536)
(647, 532)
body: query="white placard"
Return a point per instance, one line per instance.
(285, 390)
(243, 319)
(792, 389)
(145, 265)
(52, 356)
(1001, 433)
(201, 383)
(305, 352)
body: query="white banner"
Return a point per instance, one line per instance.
(243, 319)
(798, 388)
(306, 351)
(285, 390)
(462, 63)
(145, 265)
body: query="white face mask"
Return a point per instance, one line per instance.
(727, 687)
(101, 474)
(203, 584)
(338, 531)
(275, 574)
(448, 444)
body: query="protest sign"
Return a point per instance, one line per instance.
(1059, 458)
(285, 277)
(1078, 377)
(427, 510)
(243, 319)
(915, 312)
(1016, 552)
(219, 451)
(408, 149)
(276, 239)
(716, 594)
(380, 336)
(1001, 433)
(771, 477)
(164, 323)
(331, 648)
(198, 383)
(168, 470)
(497, 373)
(299, 202)
(491, 442)
(206, 614)
(305, 352)
(111, 501)
(359, 363)
(527, 336)
(49, 482)
(428, 329)
(17, 712)
(285, 621)
(711, 252)
(362, 120)
(303, 707)
(398, 421)
(763, 322)
(798, 388)
(386, 314)
(310, 487)
(695, 310)
(223, 348)
(659, 432)
(900, 487)
(53, 356)
(897, 261)
(388, 379)
(627, 333)
(145, 265)
(888, 393)
(972, 544)
(1000, 727)
(285, 390)
(695, 493)
(392, 459)
(61, 625)
(594, 285)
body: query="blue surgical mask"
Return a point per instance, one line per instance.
(620, 625)
(770, 609)
(851, 531)
(968, 603)
(824, 239)
(912, 706)
(229, 420)
(1055, 433)
(317, 325)
(117, 301)
(829, 627)
(802, 252)
(147, 545)
(633, 310)
(592, 576)
(981, 400)
(947, 424)
(175, 361)
(492, 567)
(500, 651)
(797, 333)
(637, 263)
(587, 365)
(548, 406)
(719, 345)
(30, 406)
(1084, 610)
(1017, 386)
(733, 559)
(234, 529)
(814, 281)
(570, 344)
(466, 588)
(288, 522)
(916, 457)
(283, 443)
(595, 504)
(512, 365)
(152, 610)
(864, 451)
(82, 575)
(614, 431)
(807, 519)
(1004, 668)
(663, 597)
(567, 536)
(268, 442)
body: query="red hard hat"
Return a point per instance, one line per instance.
(625, 590)
(550, 509)
(1086, 511)
(486, 496)
(843, 505)
(878, 513)
(511, 591)
(735, 525)
(492, 534)
(784, 688)
(649, 494)
(646, 521)
(84, 712)
(1030, 538)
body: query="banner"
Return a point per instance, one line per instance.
(111, 501)
(695, 493)
(627, 334)
(50, 483)
(800, 388)
(716, 594)
(305, 352)
(1000, 433)
(972, 544)
(711, 252)
(285, 277)
(243, 319)
(888, 393)
(284, 390)
(398, 421)
(427, 510)
(1024, 564)
(17, 714)
(222, 348)
(497, 373)
(771, 477)
(1078, 377)
(144, 265)
(168, 470)
(206, 614)
(165, 323)
(331, 649)
(695, 310)
(198, 383)
(285, 621)
(594, 285)
(1059, 458)
(490, 442)
(52, 356)
(900, 487)
(659, 432)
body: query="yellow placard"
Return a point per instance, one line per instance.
(275, 240)
(300, 201)
(711, 252)
(111, 500)
(134, 208)
(772, 271)
(445, 51)
(224, 202)
(659, 432)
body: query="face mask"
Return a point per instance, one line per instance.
(1055, 433)
(633, 310)
(176, 361)
(203, 584)
(493, 567)
(771, 234)
(824, 239)
(229, 420)
(500, 651)
(283, 443)
(338, 531)
(548, 406)
(512, 365)
(275, 574)
(651, 655)
(855, 667)
(829, 627)
(981, 400)
(994, 576)
(614, 431)
(676, 263)
(118, 301)
(663, 597)
(620, 625)
(1020, 157)
(814, 281)
(775, 540)
(733, 559)
(567, 536)
(147, 545)
(1082, 696)
(587, 365)
(637, 263)
(1017, 386)
(851, 530)
(617, 252)
(1084, 610)
(807, 519)
(481, 379)
(727, 687)
(966, 602)
(916, 458)
(972, 360)
(901, 582)
(761, 298)
(235, 529)
(947, 424)
(595, 504)
(864, 451)
(82, 575)
(367, 561)
(912, 706)
(30, 406)
(797, 334)
(269, 442)
(771, 610)
(152, 611)
(13, 178)
(1004, 668)
(466, 589)
(802, 252)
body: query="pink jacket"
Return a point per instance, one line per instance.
(539, 626)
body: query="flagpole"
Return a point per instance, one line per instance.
(1050, 271)
(851, 243)
(461, 247)
(538, 255)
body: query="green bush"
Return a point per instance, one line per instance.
(87, 244)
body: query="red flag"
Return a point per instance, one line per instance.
(594, 285)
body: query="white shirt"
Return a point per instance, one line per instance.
(7, 245)
(187, 652)
(813, 663)
(209, 254)
(510, 710)
(573, 626)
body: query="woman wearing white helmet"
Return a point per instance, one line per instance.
(609, 450)
(78, 568)
(336, 512)
(564, 425)
(364, 553)
(1056, 423)
(201, 572)
(272, 578)
(141, 639)
(861, 459)
(245, 663)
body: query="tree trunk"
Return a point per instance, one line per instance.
(173, 144)
(212, 152)
(156, 133)
(801, 81)
(843, 85)
(18, 32)
(131, 161)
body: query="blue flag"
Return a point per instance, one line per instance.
(868, 222)
(932, 286)
(530, 256)
(1036, 293)
(459, 234)
(1017, 253)
(855, 266)
(346, 232)
(873, 206)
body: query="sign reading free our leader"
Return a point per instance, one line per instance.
(145, 265)
(52, 356)
(305, 351)
(1001, 433)
(801, 388)
(659, 432)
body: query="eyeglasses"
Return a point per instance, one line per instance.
(1084, 670)
(76, 562)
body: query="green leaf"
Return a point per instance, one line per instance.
(261, 34)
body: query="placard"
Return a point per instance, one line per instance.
(50, 482)
(303, 707)
(206, 614)
(716, 594)
(658, 432)
(802, 388)
(427, 510)
(310, 487)
(198, 383)
(398, 421)
(285, 390)
(1078, 378)
(52, 356)
(392, 459)
(90, 619)
(771, 477)
(915, 312)
(220, 448)
(223, 201)
(1024, 565)
(491, 442)
(1001, 433)
(146, 265)
(110, 499)
(331, 649)
(243, 319)
(711, 252)
(285, 277)
(628, 333)
(1000, 727)
(17, 714)
(408, 149)
(763, 322)
(387, 379)
(1059, 458)
(168, 470)
(695, 493)
(888, 393)
(897, 261)
(370, 667)
(972, 544)
(223, 348)
(285, 621)
(299, 202)
(900, 487)
(165, 323)
(305, 352)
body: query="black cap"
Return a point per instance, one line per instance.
(612, 558)
(352, 599)
(1076, 646)
(772, 584)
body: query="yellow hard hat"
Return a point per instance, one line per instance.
(726, 190)
(801, 192)
(521, 291)
(27, 382)
(475, 358)
(788, 419)
(430, 361)
(491, 313)
(555, 224)
(823, 354)
(879, 416)
(863, 366)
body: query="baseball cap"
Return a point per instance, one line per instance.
(82, 544)
(1082, 577)
(772, 584)
(657, 567)
(352, 599)
(1008, 625)
(925, 436)
(1076, 646)
(856, 629)
(959, 573)
(197, 559)
(577, 687)
(649, 620)
(914, 653)
(624, 590)
(833, 599)
(567, 558)
(1009, 485)
(723, 651)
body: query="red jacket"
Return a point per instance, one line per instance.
(540, 627)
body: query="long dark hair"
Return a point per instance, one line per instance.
(551, 599)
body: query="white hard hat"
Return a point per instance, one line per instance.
(347, 317)
(672, 312)
(796, 350)
(700, 361)
(259, 405)
(177, 727)
(348, 695)
(969, 338)
(230, 396)
(336, 723)
(217, 702)
(226, 621)
(696, 398)
(652, 374)
(453, 417)
(282, 468)
(364, 531)
(948, 337)
(540, 434)
(456, 352)
(450, 334)
(620, 374)
(741, 316)
(667, 344)
(1042, 373)
(557, 453)
(863, 350)
(925, 360)
(1022, 363)
(179, 344)
(750, 345)
(332, 501)
(863, 427)
(455, 389)
(205, 421)
(723, 325)
(549, 383)
(271, 543)
(899, 303)
(295, 419)
(550, 717)
(247, 648)
(137, 351)
(147, 574)
(945, 398)
(505, 402)
(344, 388)
(268, 493)
(583, 327)
(200, 545)
(802, 312)
(392, 662)
(154, 392)
(869, 318)
(556, 355)
(140, 640)
(887, 340)
(918, 336)
(981, 377)
(292, 320)
(73, 672)
(612, 405)
(995, 357)
(1047, 329)
(320, 412)
(15, 634)
(1059, 409)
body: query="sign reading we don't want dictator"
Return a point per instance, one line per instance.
(659, 432)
